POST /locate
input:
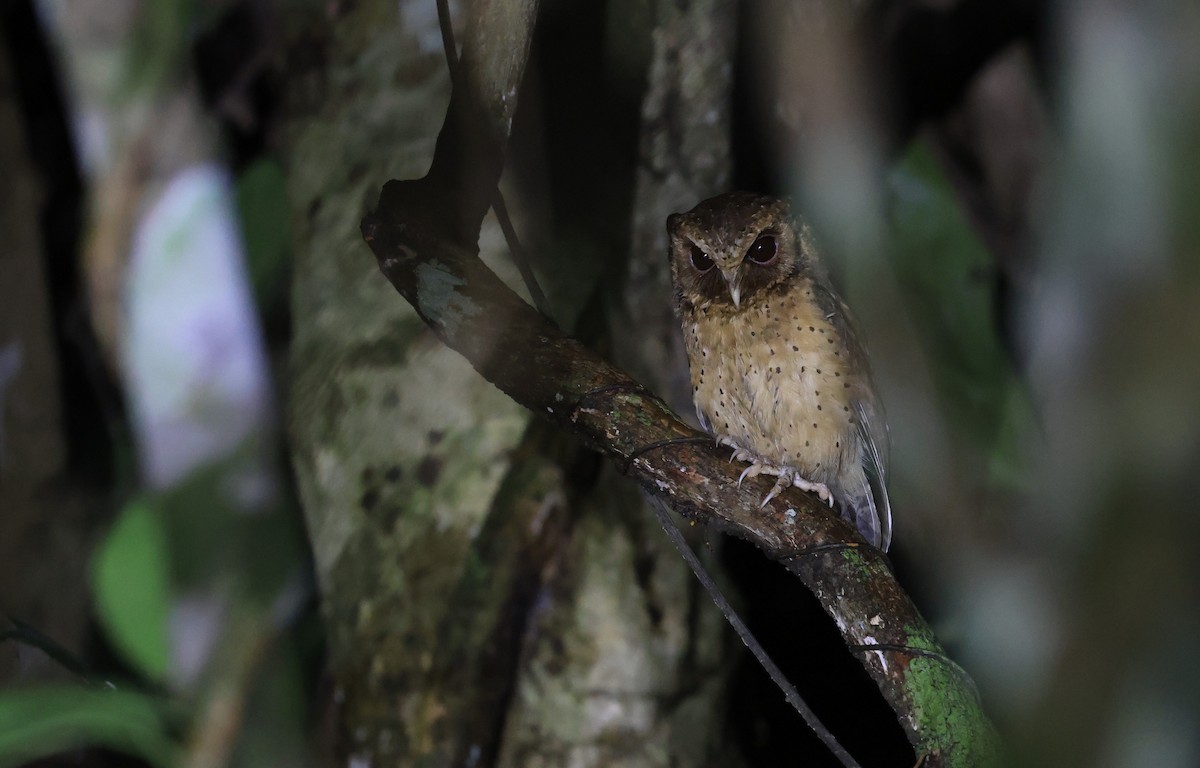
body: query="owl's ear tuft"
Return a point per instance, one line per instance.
(673, 222)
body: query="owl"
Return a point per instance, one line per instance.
(779, 373)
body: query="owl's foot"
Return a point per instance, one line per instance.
(790, 476)
(820, 489)
(739, 453)
(755, 469)
(787, 477)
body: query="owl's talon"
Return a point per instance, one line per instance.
(780, 484)
(754, 470)
(739, 453)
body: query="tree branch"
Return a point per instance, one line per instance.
(423, 234)
(555, 376)
(469, 154)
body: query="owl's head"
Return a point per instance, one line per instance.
(733, 247)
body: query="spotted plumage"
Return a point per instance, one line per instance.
(778, 371)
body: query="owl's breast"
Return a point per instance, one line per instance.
(775, 378)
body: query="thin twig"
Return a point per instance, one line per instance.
(519, 256)
(26, 634)
(448, 45)
(714, 592)
(923, 653)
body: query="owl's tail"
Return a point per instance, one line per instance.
(875, 490)
(868, 506)
(871, 512)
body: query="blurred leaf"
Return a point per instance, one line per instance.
(274, 732)
(157, 50)
(36, 723)
(130, 577)
(948, 272)
(266, 228)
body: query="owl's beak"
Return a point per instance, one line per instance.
(733, 280)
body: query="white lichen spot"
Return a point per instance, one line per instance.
(406, 254)
(869, 640)
(875, 621)
(438, 297)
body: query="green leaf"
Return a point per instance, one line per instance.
(266, 229)
(37, 723)
(157, 50)
(131, 580)
(948, 271)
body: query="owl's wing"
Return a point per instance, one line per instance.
(871, 423)
(872, 430)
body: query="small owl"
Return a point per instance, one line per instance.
(778, 371)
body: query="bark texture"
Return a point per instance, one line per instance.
(487, 601)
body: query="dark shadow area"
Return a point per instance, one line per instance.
(803, 641)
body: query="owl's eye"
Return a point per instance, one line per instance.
(763, 251)
(700, 259)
